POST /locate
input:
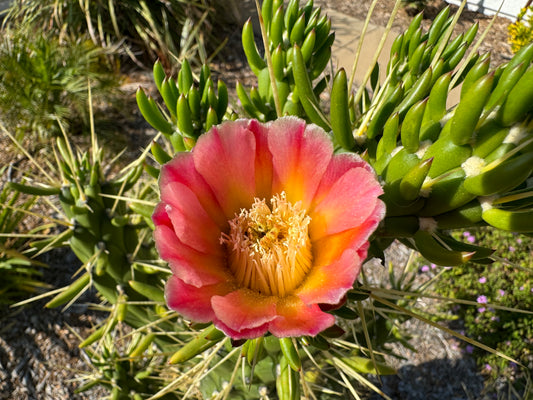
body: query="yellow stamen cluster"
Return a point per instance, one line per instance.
(269, 250)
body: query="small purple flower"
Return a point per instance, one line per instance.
(482, 299)
(488, 367)
(511, 249)
(466, 234)
(519, 241)
(433, 266)
(471, 239)
(501, 292)
(481, 310)
(469, 349)
(495, 318)
(521, 288)
(424, 268)
(482, 280)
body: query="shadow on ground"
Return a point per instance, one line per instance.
(437, 379)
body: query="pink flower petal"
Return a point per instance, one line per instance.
(318, 286)
(338, 166)
(300, 156)
(193, 226)
(263, 161)
(160, 216)
(191, 266)
(349, 202)
(251, 333)
(181, 169)
(244, 309)
(192, 302)
(298, 319)
(225, 157)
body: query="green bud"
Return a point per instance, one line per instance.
(70, 292)
(151, 113)
(340, 118)
(468, 112)
(169, 99)
(290, 352)
(462, 217)
(160, 155)
(434, 252)
(149, 291)
(410, 130)
(211, 119)
(255, 61)
(519, 102)
(499, 177)
(445, 194)
(411, 183)
(159, 74)
(205, 340)
(297, 32)
(507, 220)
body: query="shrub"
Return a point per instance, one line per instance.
(504, 284)
(20, 275)
(44, 80)
(521, 31)
(144, 30)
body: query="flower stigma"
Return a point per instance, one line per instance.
(269, 250)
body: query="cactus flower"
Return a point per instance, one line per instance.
(262, 225)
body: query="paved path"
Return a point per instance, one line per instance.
(347, 35)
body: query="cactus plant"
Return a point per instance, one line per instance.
(440, 169)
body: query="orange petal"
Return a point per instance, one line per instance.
(328, 249)
(191, 266)
(192, 302)
(319, 287)
(350, 201)
(338, 166)
(244, 309)
(298, 319)
(225, 157)
(300, 156)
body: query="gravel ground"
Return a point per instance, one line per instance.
(438, 369)
(39, 357)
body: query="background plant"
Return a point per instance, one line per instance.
(498, 290)
(144, 30)
(521, 31)
(44, 81)
(21, 275)
(414, 6)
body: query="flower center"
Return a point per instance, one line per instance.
(269, 250)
